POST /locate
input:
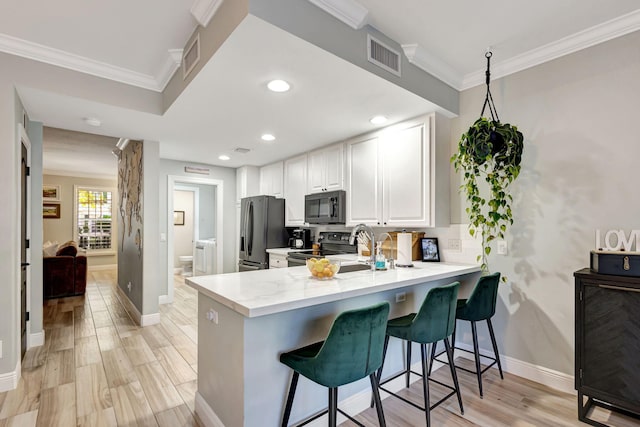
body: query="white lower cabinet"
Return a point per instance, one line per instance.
(278, 261)
(295, 186)
(393, 176)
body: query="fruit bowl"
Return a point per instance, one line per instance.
(323, 268)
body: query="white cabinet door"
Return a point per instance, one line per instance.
(295, 180)
(278, 261)
(271, 180)
(247, 182)
(405, 190)
(316, 172)
(334, 167)
(326, 169)
(363, 185)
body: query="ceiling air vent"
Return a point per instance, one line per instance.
(191, 57)
(241, 150)
(383, 56)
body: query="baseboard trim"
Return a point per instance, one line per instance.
(146, 320)
(103, 267)
(539, 374)
(150, 319)
(9, 381)
(205, 413)
(164, 299)
(36, 339)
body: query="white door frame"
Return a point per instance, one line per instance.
(196, 213)
(23, 139)
(219, 192)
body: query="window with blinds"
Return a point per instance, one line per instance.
(93, 219)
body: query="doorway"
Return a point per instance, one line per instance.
(25, 232)
(186, 221)
(214, 207)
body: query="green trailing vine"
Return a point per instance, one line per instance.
(490, 151)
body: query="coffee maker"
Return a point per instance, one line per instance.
(301, 239)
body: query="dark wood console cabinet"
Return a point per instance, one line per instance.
(607, 371)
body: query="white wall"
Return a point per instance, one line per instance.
(183, 234)
(579, 117)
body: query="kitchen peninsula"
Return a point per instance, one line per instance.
(245, 320)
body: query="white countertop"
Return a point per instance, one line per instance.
(263, 292)
(283, 251)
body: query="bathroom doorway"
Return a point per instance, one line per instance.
(196, 203)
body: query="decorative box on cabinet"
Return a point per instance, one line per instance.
(607, 343)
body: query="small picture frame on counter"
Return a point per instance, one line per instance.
(430, 250)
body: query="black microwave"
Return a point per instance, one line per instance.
(328, 207)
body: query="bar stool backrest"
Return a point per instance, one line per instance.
(481, 304)
(436, 318)
(353, 348)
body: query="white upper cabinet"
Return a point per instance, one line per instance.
(363, 182)
(394, 176)
(326, 169)
(247, 182)
(295, 179)
(271, 177)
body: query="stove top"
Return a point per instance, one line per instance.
(331, 243)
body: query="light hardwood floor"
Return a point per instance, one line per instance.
(97, 368)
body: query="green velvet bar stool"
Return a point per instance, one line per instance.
(481, 305)
(351, 351)
(434, 322)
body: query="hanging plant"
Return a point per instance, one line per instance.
(492, 151)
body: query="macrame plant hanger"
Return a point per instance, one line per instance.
(488, 100)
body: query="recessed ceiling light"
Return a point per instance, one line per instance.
(92, 121)
(278, 86)
(224, 157)
(268, 137)
(378, 120)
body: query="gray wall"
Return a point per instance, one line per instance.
(151, 263)
(207, 213)
(61, 229)
(35, 312)
(228, 177)
(579, 173)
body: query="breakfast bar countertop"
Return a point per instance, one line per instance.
(264, 292)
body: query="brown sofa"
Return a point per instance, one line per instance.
(66, 273)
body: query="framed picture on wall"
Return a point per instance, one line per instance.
(178, 217)
(430, 250)
(51, 210)
(50, 193)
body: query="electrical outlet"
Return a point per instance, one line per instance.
(212, 316)
(401, 296)
(129, 286)
(455, 245)
(502, 247)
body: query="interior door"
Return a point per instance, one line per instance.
(23, 249)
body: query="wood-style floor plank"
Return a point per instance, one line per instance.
(161, 393)
(131, 406)
(179, 416)
(58, 406)
(92, 389)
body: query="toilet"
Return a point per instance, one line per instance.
(186, 263)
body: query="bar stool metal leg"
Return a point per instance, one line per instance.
(495, 347)
(433, 356)
(476, 351)
(292, 392)
(454, 375)
(379, 373)
(333, 406)
(376, 398)
(408, 362)
(425, 383)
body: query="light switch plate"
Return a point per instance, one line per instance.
(455, 245)
(502, 247)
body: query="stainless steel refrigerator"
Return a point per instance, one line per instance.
(261, 228)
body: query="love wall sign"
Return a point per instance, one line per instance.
(618, 240)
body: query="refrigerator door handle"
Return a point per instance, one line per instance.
(250, 229)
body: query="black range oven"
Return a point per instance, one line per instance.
(331, 243)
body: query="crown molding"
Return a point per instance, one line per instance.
(203, 10)
(422, 59)
(350, 12)
(170, 66)
(60, 58)
(606, 31)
